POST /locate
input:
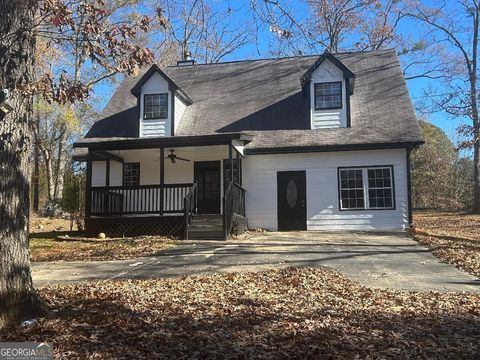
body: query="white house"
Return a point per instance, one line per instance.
(300, 143)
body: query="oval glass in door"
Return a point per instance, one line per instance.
(292, 193)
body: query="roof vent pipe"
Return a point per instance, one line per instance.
(187, 59)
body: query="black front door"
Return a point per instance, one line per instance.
(207, 174)
(291, 200)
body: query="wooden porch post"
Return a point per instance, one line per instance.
(239, 170)
(107, 174)
(230, 158)
(106, 200)
(88, 187)
(162, 177)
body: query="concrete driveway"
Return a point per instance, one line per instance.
(391, 260)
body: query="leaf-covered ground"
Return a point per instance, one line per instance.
(49, 224)
(45, 245)
(453, 237)
(47, 249)
(277, 314)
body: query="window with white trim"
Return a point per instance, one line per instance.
(366, 188)
(328, 95)
(155, 106)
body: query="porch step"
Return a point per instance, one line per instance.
(206, 227)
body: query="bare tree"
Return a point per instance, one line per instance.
(54, 130)
(335, 25)
(209, 33)
(335, 20)
(291, 30)
(347, 25)
(457, 26)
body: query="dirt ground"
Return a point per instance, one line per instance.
(45, 224)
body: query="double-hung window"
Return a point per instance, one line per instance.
(366, 188)
(380, 188)
(351, 189)
(131, 174)
(328, 95)
(155, 106)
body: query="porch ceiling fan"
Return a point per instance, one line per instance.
(173, 157)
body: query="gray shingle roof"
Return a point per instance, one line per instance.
(264, 98)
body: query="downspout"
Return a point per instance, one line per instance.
(409, 188)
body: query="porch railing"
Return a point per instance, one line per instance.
(143, 199)
(190, 207)
(233, 204)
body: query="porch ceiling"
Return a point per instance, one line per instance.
(158, 142)
(81, 148)
(193, 153)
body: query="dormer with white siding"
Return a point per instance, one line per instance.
(161, 104)
(155, 108)
(180, 105)
(329, 84)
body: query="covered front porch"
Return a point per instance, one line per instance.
(183, 186)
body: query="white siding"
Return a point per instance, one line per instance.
(98, 173)
(155, 127)
(179, 110)
(149, 164)
(116, 173)
(260, 181)
(320, 119)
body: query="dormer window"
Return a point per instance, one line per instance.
(329, 85)
(161, 103)
(155, 106)
(328, 95)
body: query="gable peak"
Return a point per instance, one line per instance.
(347, 73)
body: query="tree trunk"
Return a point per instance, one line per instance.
(475, 116)
(17, 43)
(47, 158)
(476, 170)
(36, 180)
(36, 168)
(60, 169)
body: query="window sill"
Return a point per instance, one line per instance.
(329, 108)
(370, 209)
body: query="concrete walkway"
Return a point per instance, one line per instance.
(376, 260)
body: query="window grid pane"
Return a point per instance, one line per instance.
(380, 188)
(226, 171)
(155, 106)
(351, 189)
(328, 95)
(131, 174)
